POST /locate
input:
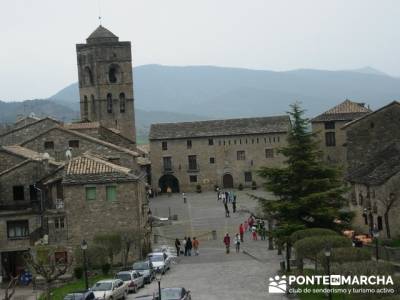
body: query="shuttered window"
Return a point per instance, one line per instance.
(90, 193)
(111, 193)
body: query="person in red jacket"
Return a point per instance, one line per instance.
(227, 242)
(241, 232)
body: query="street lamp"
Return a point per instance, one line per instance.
(375, 233)
(84, 247)
(327, 253)
(158, 278)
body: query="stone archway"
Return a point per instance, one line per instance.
(168, 180)
(227, 181)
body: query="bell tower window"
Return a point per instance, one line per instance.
(85, 107)
(109, 103)
(93, 105)
(88, 77)
(122, 102)
(114, 73)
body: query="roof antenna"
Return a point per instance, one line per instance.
(99, 5)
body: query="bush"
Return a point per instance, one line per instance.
(198, 188)
(240, 187)
(105, 269)
(254, 185)
(301, 234)
(344, 255)
(310, 247)
(78, 272)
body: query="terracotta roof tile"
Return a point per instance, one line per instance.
(345, 111)
(28, 153)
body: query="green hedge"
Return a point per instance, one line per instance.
(346, 254)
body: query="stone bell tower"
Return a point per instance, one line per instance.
(106, 83)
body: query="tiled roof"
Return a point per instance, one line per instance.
(87, 137)
(345, 111)
(143, 161)
(30, 124)
(83, 125)
(370, 114)
(27, 153)
(102, 33)
(379, 168)
(91, 169)
(143, 148)
(246, 126)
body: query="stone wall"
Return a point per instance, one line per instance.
(61, 139)
(224, 151)
(24, 133)
(332, 154)
(8, 160)
(87, 218)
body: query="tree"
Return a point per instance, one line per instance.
(10, 289)
(129, 239)
(111, 243)
(308, 192)
(388, 203)
(45, 264)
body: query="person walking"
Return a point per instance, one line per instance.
(254, 233)
(178, 247)
(233, 204)
(241, 232)
(218, 193)
(227, 196)
(185, 245)
(237, 243)
(227, 242)
(225, 202)
(222, 196)
(195, 243)
(184, 197)
(189, 246)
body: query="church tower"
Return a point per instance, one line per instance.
(106, 83)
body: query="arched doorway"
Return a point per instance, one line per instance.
(168, 180)
(227, 181)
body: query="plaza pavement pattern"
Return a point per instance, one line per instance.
(214, 274)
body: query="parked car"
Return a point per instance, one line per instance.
(179, 293)
(161, 261)
(85, 295)
(110, 289)
(146, 269)
(132, 279)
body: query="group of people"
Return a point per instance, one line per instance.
(227, 197)
(187, 244)
(252, 225)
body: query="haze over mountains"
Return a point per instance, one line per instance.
(168, 93)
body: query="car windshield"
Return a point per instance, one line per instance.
(157, 258)
(140, 266)
(123, 276)
(102, 286)
(171, 294)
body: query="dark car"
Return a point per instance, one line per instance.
(80, 296)
(174, 294)
(145, 268)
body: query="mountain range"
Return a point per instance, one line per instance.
(169, 93)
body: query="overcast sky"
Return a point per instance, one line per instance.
(38, 37)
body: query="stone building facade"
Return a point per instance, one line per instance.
(106, 82)
(223, 153)
(328, 128)
(373, 168)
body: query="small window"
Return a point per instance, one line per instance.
(246, 141)
(167, 163)
(372, 125)
(59, 222)
(122, 102)
(189, 144)
(234, 141)
(48, 145)
(60, 257)
(248, 177)
(85, 108)
(32, 193)
(219, 142)
(111, 193)
(240, 141)
(164, 145)
(73, 143)
(258, 140)
(210, 142)
(109, 103)
(192, 160)
(329, 125)
(330, 140)
(18, 193)
(212, 160)
(269, 153)
(193, 178)
(274, 139)
(17, 229)
(241, 155)
(229, 142)
(90, 193)
(252, 141)
(278, 139)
